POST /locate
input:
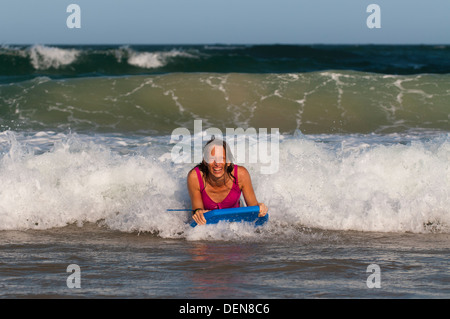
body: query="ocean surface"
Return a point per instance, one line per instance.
(358, 191)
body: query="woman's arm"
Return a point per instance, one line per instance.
(245, 182)
(196, 197)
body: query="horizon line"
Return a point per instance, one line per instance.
(229, 44)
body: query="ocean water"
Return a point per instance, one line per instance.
(361, 180)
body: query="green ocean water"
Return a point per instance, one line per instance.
(318, 102)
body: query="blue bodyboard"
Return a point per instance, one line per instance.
(240, 214)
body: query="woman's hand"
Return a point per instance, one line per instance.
(262, 210)
(198, 216)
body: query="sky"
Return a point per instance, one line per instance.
(225, 22)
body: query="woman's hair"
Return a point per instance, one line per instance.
(229, 166)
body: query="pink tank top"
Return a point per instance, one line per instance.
(232, 199)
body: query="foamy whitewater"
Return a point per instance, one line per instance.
(357, 183)
(361, 179)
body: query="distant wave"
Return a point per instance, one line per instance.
(61, 61)
(25, 62)
(43, 57)
(153, 60)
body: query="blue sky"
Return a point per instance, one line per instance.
(224, 21)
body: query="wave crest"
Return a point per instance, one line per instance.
(44, 57)
(153, 60)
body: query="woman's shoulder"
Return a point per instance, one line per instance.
(193, 181)
(242, 173)
(241, 169)
(192, 174)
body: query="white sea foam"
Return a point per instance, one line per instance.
(80, 181)
(153, 60)
(362, 186)
(45, 57)
(356, 184)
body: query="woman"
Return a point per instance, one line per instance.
(217, 183)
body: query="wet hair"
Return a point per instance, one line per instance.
(229, 166)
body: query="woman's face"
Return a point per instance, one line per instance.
(216, 161)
